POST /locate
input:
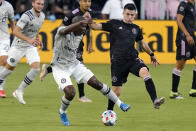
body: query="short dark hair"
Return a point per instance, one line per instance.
(130, 6)
(77, 19)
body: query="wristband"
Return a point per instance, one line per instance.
(151, 54)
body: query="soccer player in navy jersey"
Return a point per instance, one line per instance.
(124, 56)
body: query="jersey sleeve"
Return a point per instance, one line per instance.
(23, 21)
(10, 13)
(108, 26)
(68, 19)
(181, 8)
(139, 35)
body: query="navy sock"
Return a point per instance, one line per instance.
(150, 87)
(81, 89)
(175, 80)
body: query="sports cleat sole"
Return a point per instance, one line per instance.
(192, 95)
(159, 102)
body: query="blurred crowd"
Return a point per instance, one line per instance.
(103, 9)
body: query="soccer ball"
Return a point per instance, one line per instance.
(109, 118)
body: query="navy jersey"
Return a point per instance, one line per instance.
(68, 20)
(122, 39)
(186, 9)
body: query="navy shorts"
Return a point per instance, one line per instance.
(121, 69)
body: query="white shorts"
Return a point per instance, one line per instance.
(79, 72)
(15, 54)
(4, 47)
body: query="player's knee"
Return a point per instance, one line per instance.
(69, 92)
(144, 72)
(3, 61)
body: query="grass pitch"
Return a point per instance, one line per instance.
(43, 101)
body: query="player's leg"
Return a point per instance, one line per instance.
(193, 89)
(33, 59)
(79, 56)
(117, 90)
(176, 79)
(13, 58)
(4, 48)
(150, 87)
(46, 69)
(63, 80)
(84, 75)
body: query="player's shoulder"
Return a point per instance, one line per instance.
(28, 15)
(7, 4)
(135, 25)
(183, 3)
(115, 21)
(42, 15)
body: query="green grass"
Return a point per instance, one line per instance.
(43, 101)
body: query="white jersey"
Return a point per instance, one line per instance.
(6, 12)
(65, 48)
(30, 25)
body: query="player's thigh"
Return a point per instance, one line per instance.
(137, 65)
(61, 77)
(32, 55)
(81, 73)
(4, 47)
(184, 50)
(14, 56)
(119, 74)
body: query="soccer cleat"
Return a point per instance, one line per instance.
(84, 99)
(43, 72)
(124, 107)
(19, 96)
(158, 102)
(176, 95)
(192, 93)
(64, 119)
(2, 94)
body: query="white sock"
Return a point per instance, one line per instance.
(4, 73)
(110, 94)
(64, 105)
(30, 76)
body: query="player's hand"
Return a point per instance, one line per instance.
(154, 61)
(90, 49)
(87, 15)
(35, 42)
(86, 21)
(190, 40)
(40, 44)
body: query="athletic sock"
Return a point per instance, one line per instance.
(4, 73)
(64, 104)
(81, 89)
(175, 79)
(110, 94)
(49, 69)
(150, 87)
(30, 76)
(194, 78)
(110, 105)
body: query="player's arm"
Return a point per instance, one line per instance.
(12, 24)
(74, 26)
(96, 26)
(147, 49)
(18, 33)
(183, 29)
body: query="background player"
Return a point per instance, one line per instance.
(186, 48)
(124, 56)
(65, 65)
(6, 12)
(84, 7)
(25, 44)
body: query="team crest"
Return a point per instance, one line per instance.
(12, 60)
(120, 28)
(63, 80)
(181, 8)
(188, 54)
(134, 31)
(114, 79)
(65, 19)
